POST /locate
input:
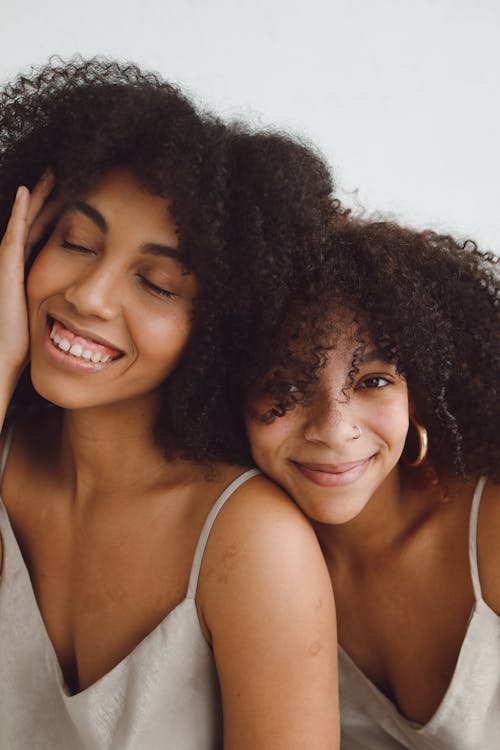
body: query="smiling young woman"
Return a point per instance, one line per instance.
(108, 296)
(144, 602)
(375, 405)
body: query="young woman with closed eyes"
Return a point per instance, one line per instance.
(375, 406)
(144, 602)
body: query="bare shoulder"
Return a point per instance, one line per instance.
(266, 600)
(261, 524)
(488, 544)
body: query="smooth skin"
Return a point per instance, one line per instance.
(107, 526)
(397, 553)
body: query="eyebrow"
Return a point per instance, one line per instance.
(91, 213)
(148, 248)
(165, 251)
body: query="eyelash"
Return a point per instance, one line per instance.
(153, 288)
(142, 279)
(76, 248)
(363, 384)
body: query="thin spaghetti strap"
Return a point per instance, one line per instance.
(474, 513)
(207, 527)
(5, 452)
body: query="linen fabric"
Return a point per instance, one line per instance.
(164, 694)
(468, 717)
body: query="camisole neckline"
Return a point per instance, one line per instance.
(188, 601)
(479, 609)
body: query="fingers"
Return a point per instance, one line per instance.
(30, 216)
(13, 313)
(42, 211)
(39, 195)
(16, 231)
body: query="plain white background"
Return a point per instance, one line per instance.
(402, 97)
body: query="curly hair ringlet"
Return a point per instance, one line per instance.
(429, 303)
(233, 192)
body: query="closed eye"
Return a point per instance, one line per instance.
(76, 248)
(154, 288)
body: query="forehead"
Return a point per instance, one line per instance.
(118, 199)
(121, 184)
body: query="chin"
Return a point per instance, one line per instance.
(62, 394)
(332, 511)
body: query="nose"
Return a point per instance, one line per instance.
(331, 420)
(95, 294)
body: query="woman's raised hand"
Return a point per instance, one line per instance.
(28, 220)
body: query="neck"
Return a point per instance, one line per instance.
(381, 525)
(108, 451)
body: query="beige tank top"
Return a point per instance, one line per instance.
(468, 717)
(164, 694)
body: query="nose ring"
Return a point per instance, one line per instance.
(357, 432)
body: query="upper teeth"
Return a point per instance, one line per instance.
(77, 350)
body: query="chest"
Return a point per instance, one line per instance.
(103, 580)
(403, 624)
(467, 718)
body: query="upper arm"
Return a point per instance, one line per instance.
(488, 545)
(266, 598)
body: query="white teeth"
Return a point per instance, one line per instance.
(55, 336)
(76, 350)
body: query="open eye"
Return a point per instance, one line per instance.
(280, 389)
(373, 381)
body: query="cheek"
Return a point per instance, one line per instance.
(51, 271)
(393, 424)
(39, 279)
(267, 441)
(157, 336)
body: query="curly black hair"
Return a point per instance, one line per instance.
(233, 192)
(428, 302)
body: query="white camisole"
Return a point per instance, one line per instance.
(468, 717)
(164, 694)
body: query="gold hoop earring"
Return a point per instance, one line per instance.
(423, 445)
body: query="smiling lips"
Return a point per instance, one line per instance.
(80, 347)
(334, 475)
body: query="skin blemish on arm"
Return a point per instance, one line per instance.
(228, 563)
(314, 648)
